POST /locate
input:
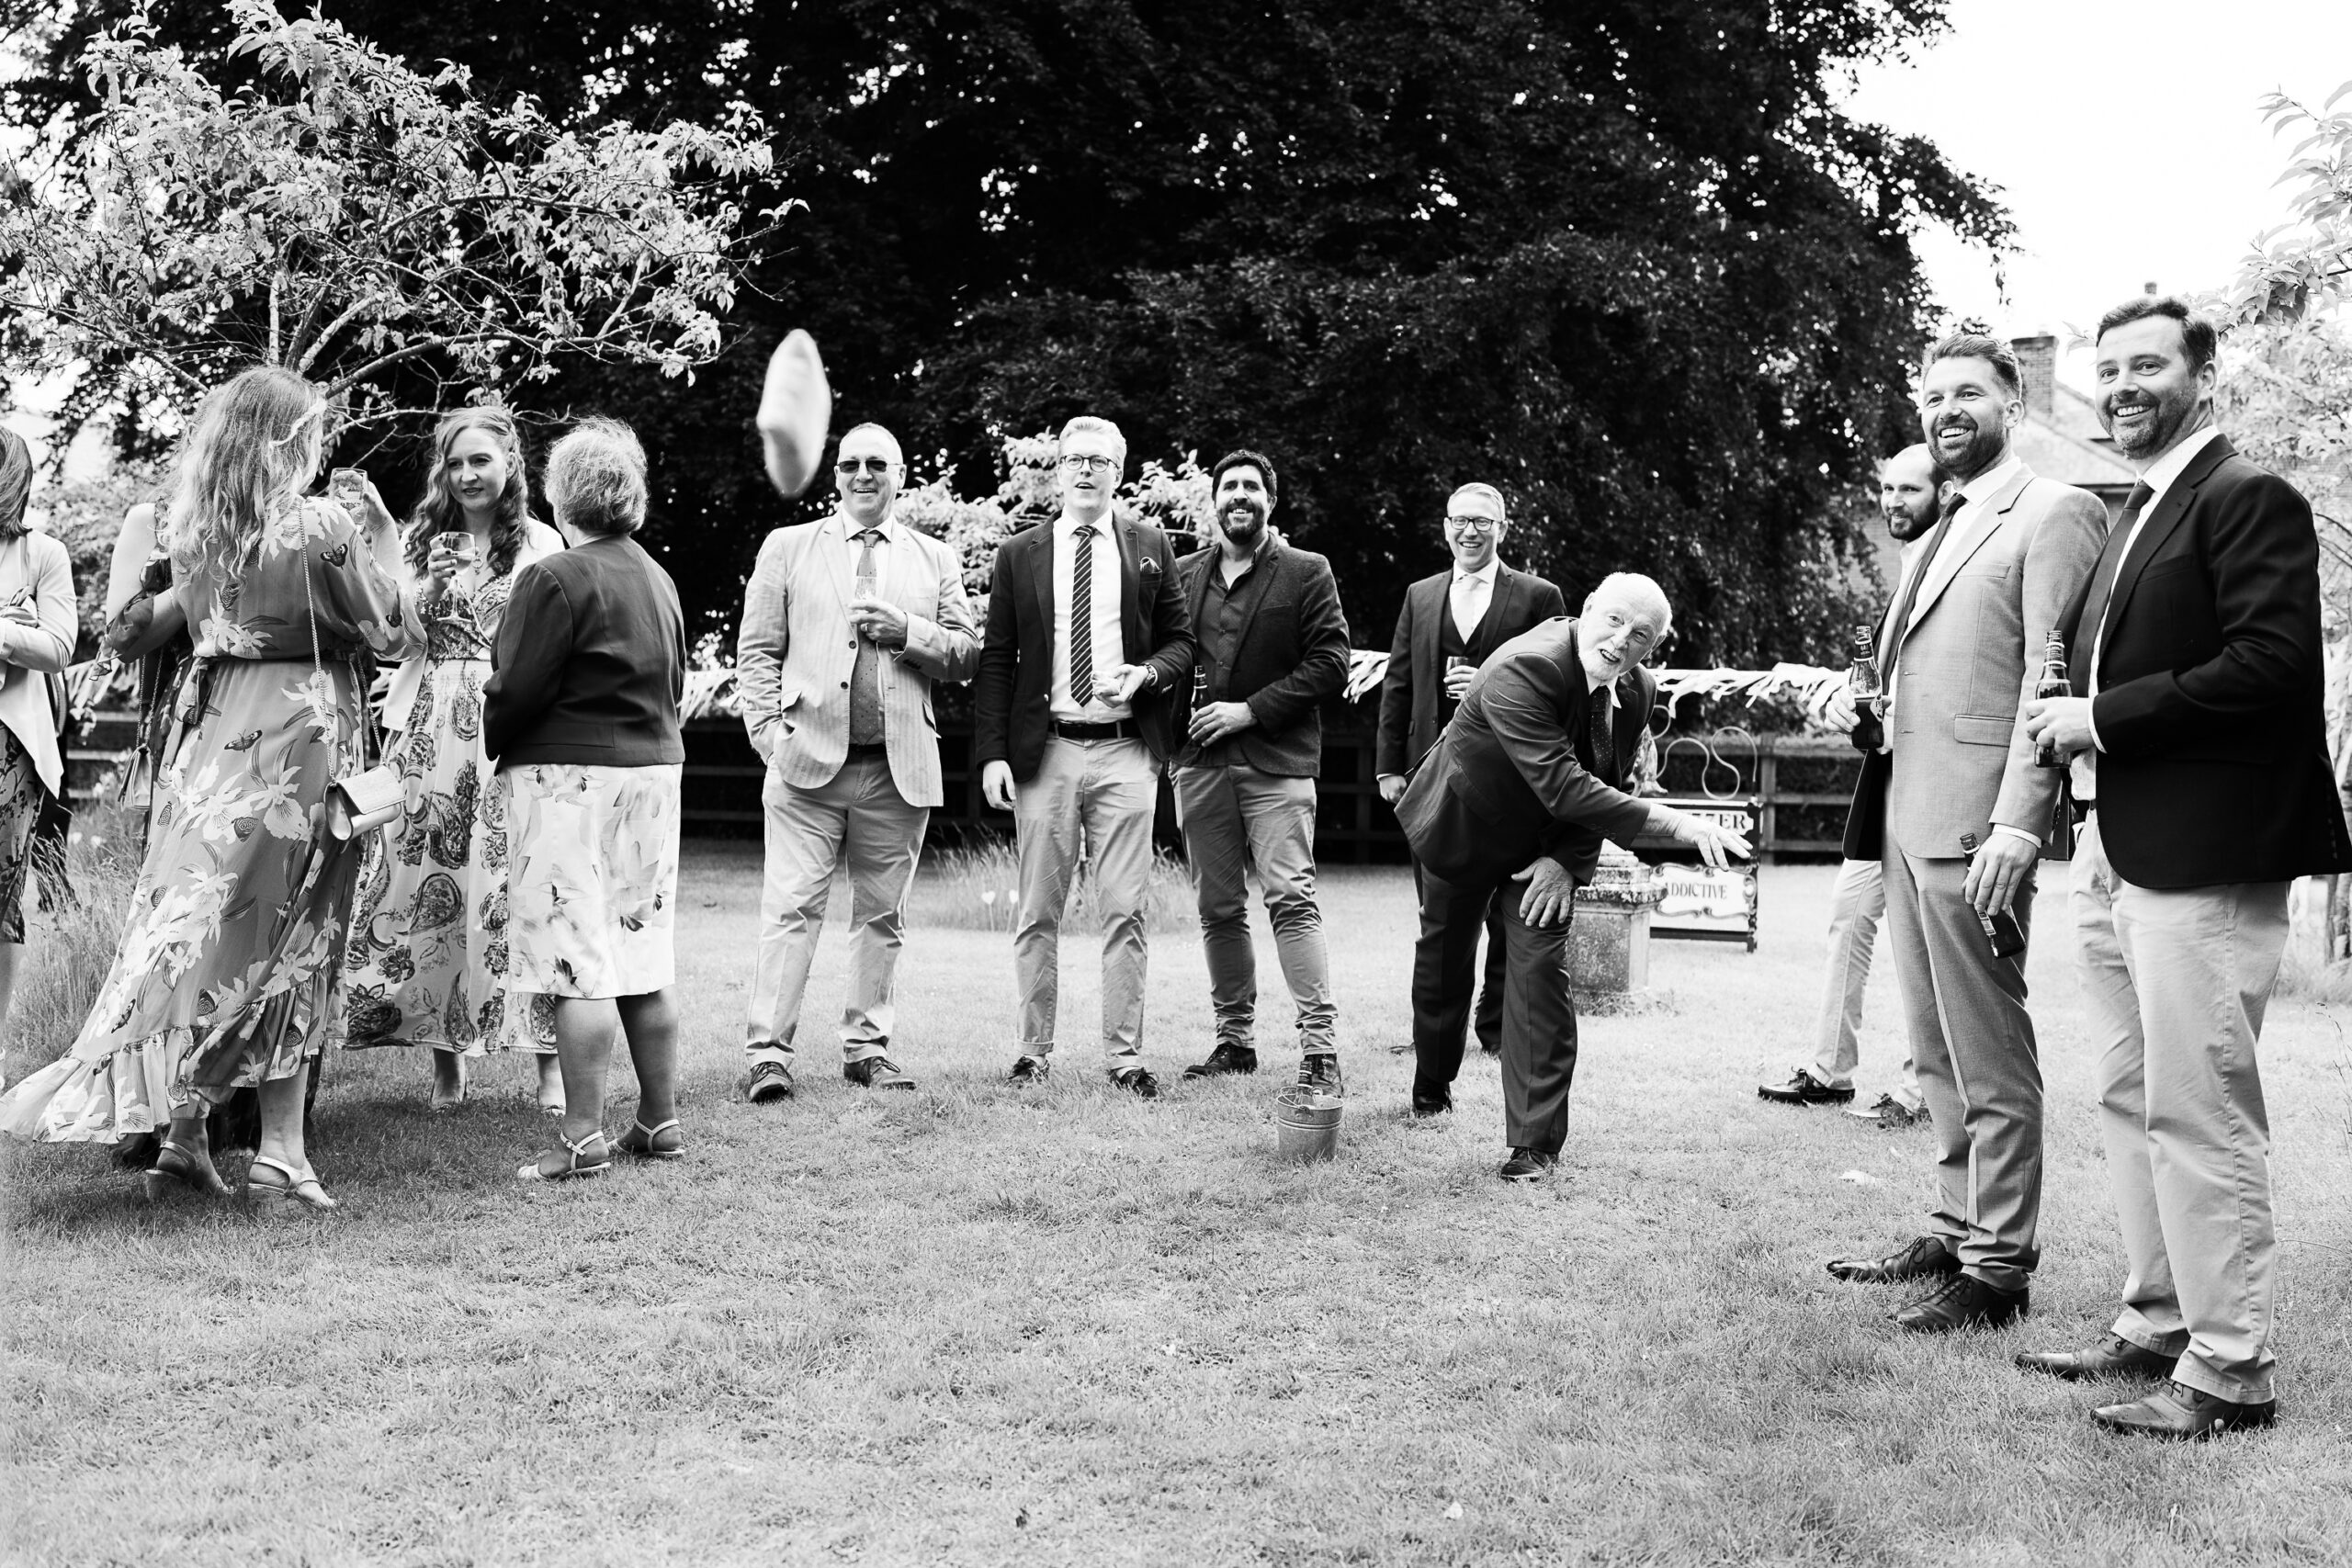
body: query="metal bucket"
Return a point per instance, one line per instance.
(1306, 1125)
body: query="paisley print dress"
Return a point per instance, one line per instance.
(236, 924)
(426, 964)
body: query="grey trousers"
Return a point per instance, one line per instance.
(1980, 1067)
(1102, 794)
(1236, 818)
(1856, 905)
(858, 817)
(2177, 983)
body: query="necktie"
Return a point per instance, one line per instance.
(1897, 623)
(1469, 604)
(1081, 621)
(1604, 739)
(2089, 630)
(865, 677)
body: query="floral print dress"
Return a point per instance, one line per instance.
(236, 924)
(426, 964)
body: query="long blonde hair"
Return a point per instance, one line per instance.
(255, 445)
(439, 510)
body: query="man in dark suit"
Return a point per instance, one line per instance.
(2201, 747)
(1451, 622)
(1523, 787)
(1270, 645)
(1088, 647)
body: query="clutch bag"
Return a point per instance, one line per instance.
(363, 801)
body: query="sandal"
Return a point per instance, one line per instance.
(574, 1164)
(444, 1097)
(177, 1165)
(286, 1185)
(647, 1143)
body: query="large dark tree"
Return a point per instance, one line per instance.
(1623, 258)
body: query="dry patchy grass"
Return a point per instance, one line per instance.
(974, 1324)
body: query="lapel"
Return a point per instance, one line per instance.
(1501, 604)
(1132, 635)
(1041, 583)
(1269, 562)
(1983, 523)
(839, 552)
(2160, 525)
(1198, 599)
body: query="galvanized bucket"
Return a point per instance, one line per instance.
(1306, 1124)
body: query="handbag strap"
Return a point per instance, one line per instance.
(310, 603)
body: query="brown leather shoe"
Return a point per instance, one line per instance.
(2112, 1357)
(1926, 1256)
(2183, 1414)
(1962, 1300)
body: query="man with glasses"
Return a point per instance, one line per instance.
(846, 622)
(1510, 807)
(1088, 642)
(1451, 622)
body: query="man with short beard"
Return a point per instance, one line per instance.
(1910, 495)
(1270, 645)
(2200, 740)
(1959, 653)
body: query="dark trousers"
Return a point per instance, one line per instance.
(1538, 1020)
(1487, 1020)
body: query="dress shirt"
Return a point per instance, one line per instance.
(1108, 645)
(1470, 595)
(2158, 476)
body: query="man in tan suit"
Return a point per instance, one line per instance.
(846, 622)
(1962, 647)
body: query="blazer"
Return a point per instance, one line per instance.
(794, 649)
(2213, 763)
(1513, 777)
(590, 662)
(1413, 692)
(1292, 653)
(1964, 670)
(1014, 686)
(36, 571)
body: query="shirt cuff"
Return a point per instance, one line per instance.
(2033, 839)
(2090, 718)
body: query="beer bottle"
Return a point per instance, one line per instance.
(2002, 930)
(1862, 682)
(2053, 683)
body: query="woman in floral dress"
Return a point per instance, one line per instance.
(427, 959)
(236, 923)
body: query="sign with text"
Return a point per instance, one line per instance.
(1700, 902)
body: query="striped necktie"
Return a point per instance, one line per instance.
(1081, 620)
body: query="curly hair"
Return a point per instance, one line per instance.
(255, 442)
(439, 511)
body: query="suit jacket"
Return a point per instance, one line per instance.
(590, 662)
(1968, 659)
(794, 651)
(1413, 692)
(2213, 764)
(1292, 653)
(38, 567)
(1512, 778)
(1015, 682)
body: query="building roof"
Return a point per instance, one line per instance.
(2069, 446)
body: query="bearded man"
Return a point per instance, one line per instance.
(1272, 644)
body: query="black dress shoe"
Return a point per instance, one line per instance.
(876, 1072)
(768, 1082)
(1028, 1070)
(1432, 1099)
(1138, 1082)
(1923, 1257)
(1319, 1071)
(1962, 1301)
(2111, 1356)
(1222, 1060)
(1529, 1164)
(2184, 1414)
(1803, 1089)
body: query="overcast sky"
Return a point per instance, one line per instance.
(2126, 140)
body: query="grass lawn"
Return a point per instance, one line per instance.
(977, 1325)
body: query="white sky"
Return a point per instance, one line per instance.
(2126, 140)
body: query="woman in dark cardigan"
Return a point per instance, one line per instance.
(581, 718)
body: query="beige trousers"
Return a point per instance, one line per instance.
(2176, 983)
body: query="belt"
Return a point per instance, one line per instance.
(1121, 730)
(870, 748)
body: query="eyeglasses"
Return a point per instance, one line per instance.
(848, 466)
(1092, 463)
(1469, 525)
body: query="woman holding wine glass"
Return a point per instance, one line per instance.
(426, 962)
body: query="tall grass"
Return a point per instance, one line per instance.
(70, 947)
(978, 889)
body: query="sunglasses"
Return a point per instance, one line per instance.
(871, 465)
